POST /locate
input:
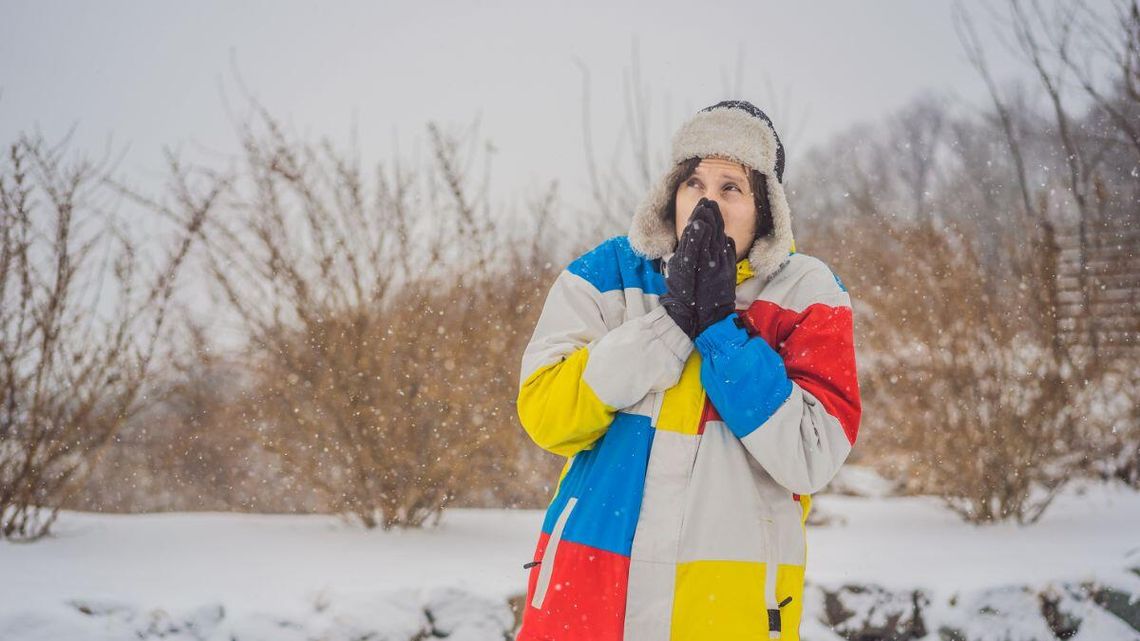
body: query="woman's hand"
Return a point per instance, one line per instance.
(680, 301)
(716, 274)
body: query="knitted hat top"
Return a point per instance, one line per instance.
(738, 131)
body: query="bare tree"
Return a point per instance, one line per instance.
(75, 349)
(1050, 43)
(917, 134)
(1113, 44)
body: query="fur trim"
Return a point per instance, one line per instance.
(725, 133)
(650, 234)
(769, 253)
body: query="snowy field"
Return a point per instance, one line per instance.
(213, 576)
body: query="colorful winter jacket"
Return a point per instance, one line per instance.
(679, 514)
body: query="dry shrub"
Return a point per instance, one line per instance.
(395, 413)
(384, 320)
(967, 394)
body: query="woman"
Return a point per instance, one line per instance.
(699, 401)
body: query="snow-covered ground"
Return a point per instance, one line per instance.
(1089, 532)
(219, 576)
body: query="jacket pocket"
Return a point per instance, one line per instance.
(546, 566)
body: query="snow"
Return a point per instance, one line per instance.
(185, 558)
(1089, 532)
(219, 576)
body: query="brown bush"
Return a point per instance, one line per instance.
(966, 393)
(384, 323)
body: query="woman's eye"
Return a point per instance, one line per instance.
(732, 186)
(693, 183)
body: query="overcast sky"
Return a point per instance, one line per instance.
(141, 75)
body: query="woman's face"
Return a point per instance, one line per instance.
(725, 182)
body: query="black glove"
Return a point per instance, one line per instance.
(716, 274)
(681, 278)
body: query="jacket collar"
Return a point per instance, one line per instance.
(743, 270)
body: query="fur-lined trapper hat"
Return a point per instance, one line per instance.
(738, 131)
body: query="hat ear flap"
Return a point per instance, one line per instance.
(771, 250)
(765, 225)
(651, 233)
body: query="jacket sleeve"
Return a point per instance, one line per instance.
(797, 410)
(584, 362)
